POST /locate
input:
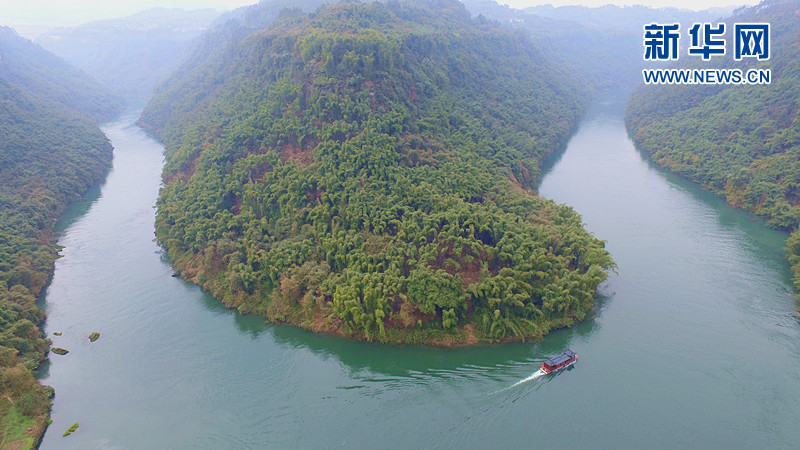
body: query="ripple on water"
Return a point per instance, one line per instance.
(693, 343)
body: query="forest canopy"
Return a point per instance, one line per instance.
(49, 156)
(369, 170)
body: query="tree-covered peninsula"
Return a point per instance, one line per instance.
(49, 155)
(369, 170)
(739, 141)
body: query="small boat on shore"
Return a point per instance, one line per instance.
(559, 362)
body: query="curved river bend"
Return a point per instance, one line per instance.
(693, 344)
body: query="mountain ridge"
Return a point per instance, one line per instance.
(50, 78)
(342, 139)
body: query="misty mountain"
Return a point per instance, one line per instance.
(133, 54)
(612, 16)
(601, 45)
(42, 74)
(206, 51)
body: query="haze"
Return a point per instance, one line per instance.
(32, 17)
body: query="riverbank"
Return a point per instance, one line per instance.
(318, 315)
(50, 157)
(701, 287)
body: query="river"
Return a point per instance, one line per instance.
(693, 343)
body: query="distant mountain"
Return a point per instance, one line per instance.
(131, 55)
(601, 45)
(622, 17)
(229, 28)
(368, 170)
(41, 74)
(739, 141)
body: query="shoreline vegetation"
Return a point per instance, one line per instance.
(739, 142)
(52, 152)
(369, 171)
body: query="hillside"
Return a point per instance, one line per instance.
(45, 76)
(368, 170)
(601, 46)
(741, 142)
(201, 70)
(130, 55)
(49, 156)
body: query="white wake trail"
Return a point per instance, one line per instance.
(535, 375)
(539, 373)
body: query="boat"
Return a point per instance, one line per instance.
(559, 362)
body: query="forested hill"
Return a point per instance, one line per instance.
(43, 75)
(742, 142)
(600, 45)
(368, 170)
(198, 74)
(49, 156)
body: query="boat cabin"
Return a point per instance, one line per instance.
(559, 362)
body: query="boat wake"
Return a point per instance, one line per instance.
(563, 361)
(538, 374)
(535, 375)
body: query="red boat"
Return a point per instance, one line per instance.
(559, 362)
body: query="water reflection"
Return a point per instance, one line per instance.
(410, 361)
(175, 368)
(79, 208)
(246, 324)
(758, 235)
(365, 360)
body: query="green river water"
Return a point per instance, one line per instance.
(694, 343)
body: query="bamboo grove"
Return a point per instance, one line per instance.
(51, 152)
(368, 170)
(48, 160)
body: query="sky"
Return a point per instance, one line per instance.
(32, 17)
